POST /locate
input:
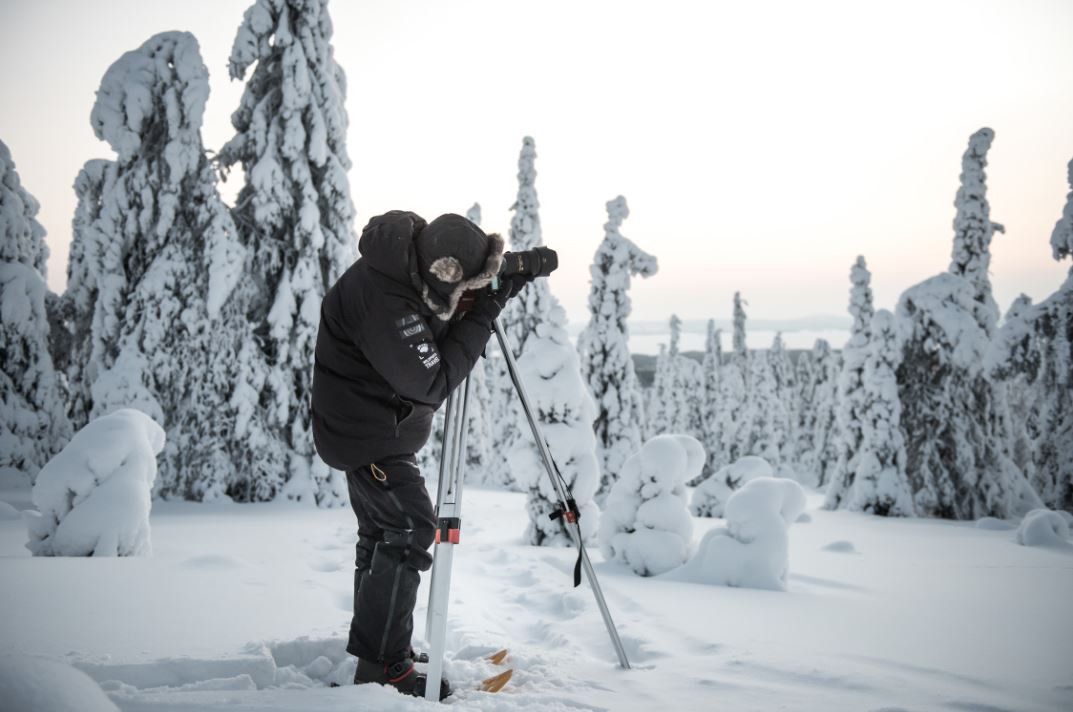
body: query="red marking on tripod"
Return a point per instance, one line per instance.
(453, 536)
(570, 517)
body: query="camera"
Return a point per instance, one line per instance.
(538, 262)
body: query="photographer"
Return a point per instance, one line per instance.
(390, 348)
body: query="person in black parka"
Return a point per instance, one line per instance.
(390, 348)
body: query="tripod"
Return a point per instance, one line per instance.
(449, 518)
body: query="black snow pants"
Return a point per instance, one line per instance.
(396, 527)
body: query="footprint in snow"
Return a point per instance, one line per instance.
(841, 547)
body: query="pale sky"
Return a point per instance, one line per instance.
(761, 146)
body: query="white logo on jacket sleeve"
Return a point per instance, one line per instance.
(428, 355)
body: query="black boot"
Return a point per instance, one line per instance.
(401, 675)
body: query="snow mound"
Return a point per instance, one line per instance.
(1043, 527)
(94, 497)
(841, 547)
(645, 523)
(993, 524)
(753, 549)
(29, 683)
(804, 518)
(711, 496)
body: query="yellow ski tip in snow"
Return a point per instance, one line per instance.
(496, 683)
(497, 657)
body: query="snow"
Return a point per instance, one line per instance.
(896, 626)
(753, 550)
(645, 523)
(94, 497)
(712, 494)
(1044, 527)
(42, 685)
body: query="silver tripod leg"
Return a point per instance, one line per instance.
(449, 524)
(573, 528)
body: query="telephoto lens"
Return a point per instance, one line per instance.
(538, 262)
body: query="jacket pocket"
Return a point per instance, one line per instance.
(404, 410)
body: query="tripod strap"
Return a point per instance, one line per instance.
(570, 514)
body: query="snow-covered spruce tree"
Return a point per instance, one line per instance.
(675, 407)
(1033, 355)
(33, 419)
(820, 419)
(522, 314)
(711, 367)
(881, 486)
(474, 214)
(804, 418)
(782, 368)
(764, 416)
(294, 213)
(973, 229)
(154, 259)
(851, 386)
(734, 392)
(549, 369)
(604, 345)
(955, 463)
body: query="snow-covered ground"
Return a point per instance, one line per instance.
(246, 607)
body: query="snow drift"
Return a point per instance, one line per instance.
(711, 496)
(645, 523)
(31, 683)
(94, 497)
(752, 550)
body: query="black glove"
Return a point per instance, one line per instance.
(492, 302)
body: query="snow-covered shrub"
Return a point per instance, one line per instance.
(549, 369)
(1044, 527)
(94, 497)
(753, 549)
(645, 522)
(711, 496)
(604, 345)
(296, 217)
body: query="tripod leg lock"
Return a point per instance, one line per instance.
(570, 513)
(449, 529)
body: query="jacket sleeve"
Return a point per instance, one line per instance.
(400, 346)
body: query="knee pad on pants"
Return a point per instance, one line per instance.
(403, 548)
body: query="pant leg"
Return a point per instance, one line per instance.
(368, 535)
(398, 505)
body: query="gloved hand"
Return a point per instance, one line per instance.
(491, 303)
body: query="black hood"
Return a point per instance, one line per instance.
(387, 244)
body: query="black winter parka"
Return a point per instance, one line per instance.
(383, 362)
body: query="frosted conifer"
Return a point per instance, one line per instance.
(765, 414)
(155, 258)
(959, 470)
(549, 369)
(1062, 236)
(474, 214)
(33, 419)
(973, 228)
(782, 368)
(711, 367)
(294, 213)
(819, 422)
(881, 486)
(851, 386)
(604, 345)
(734, 392)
